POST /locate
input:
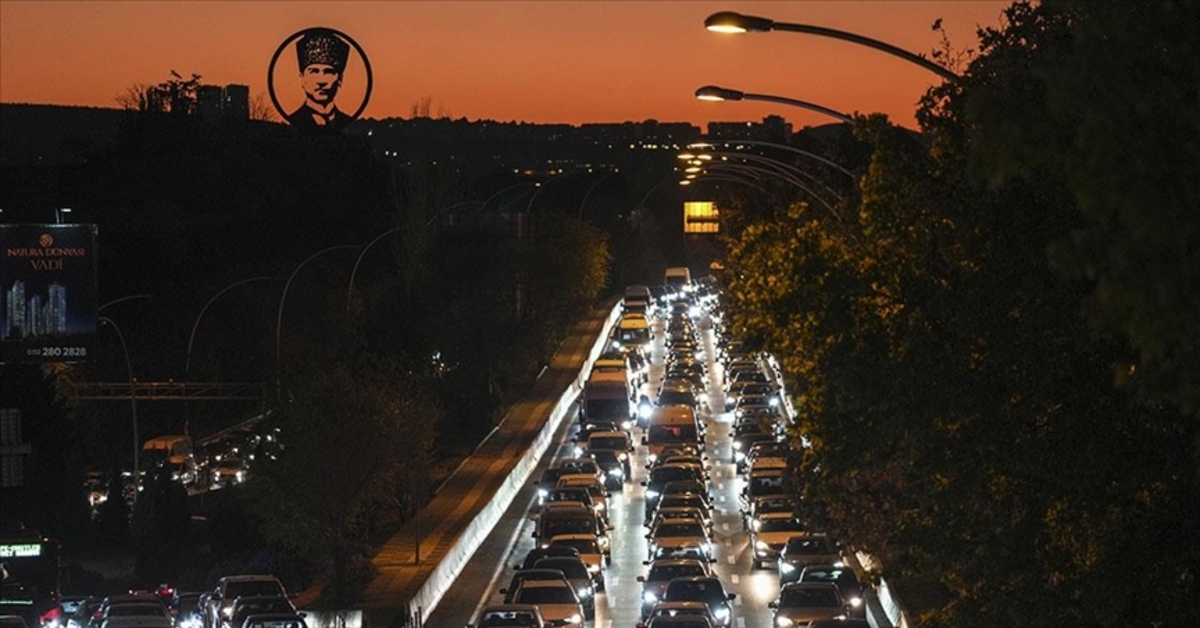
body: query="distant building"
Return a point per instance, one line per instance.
(231, 102)
(771, 129)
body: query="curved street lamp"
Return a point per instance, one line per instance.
(286, 286)
(187, 365)
(733, 22)
(713, 93)
(785, 147)
(782, 167)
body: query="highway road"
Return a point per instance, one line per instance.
(620, 605)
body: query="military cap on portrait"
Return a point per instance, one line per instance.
(322, 46)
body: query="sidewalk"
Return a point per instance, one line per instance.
(386, 601)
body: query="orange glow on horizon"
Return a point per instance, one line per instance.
(541, 62)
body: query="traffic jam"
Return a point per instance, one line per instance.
(670, 505)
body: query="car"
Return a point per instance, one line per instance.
(556, 599)
(802, 602)
(676, 532)
(247, 605)
(616, 441)
(697, 550)
(533, 573)
(844, 577)
(577, 573)
(684, 500)
(803, 550)
(770, 534)
(229, 588)
(662, 572)
(509, 616)
(100, 614)
(678, 621)
(83, 613)
(274, 620)
(136, 615)
(615, 466)
(706, 589)
(558, 518)
(681, 610)
(658, 479)
(589, 552)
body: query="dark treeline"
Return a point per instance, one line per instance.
(450, 316)
(992, 346)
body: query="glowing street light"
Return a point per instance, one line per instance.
(712, 93)
(733, 22)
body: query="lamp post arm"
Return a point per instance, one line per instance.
(803, 104)
(589, 192)
(187, 367)
(790, 149)
(123, 299)
(286, 286)
(870, 43)
(783, 167)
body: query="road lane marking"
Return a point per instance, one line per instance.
(733, 578)
(741, 622)
(732, 559)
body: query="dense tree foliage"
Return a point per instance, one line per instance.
(960, 406)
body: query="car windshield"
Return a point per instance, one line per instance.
(554, 526)
(505, 619)
(766, 484)
(585, 546)
(808, 545)
(130, 610)
(266, 606)
(572, 568)
(677, 397)
(275, 623)
(697, 590)
(252, 587)
(680, 529)
(607, 442)
(839, 576)
(798, 597)
(780, 525)
(546, 595)
(667, 572)
(683, 500)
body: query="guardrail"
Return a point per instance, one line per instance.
(443, 576)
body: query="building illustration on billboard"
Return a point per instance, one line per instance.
(48, 278)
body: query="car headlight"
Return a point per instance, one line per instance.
(599, 506)
(616, 472)
(737, 455)
(543, 493)
(721, 613)
(584, 591)
(774, 402)
(737, 444)
(575, 619)
(579, 452)
(762, 545)
(622, 457)
(651, 494)
(226, 611)
(787, 567)
(783, 622)
(626, 425)
(649, 597)
(856, 601)
(594, 568)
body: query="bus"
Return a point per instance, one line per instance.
(30, 566)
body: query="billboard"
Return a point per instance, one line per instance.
(48, 278)
(700, 217)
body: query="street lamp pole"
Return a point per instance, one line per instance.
(713, 93)
(732, 22)
(589, 192)
(283, 297)
(137, 474)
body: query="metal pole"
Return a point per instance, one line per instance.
(137, 446)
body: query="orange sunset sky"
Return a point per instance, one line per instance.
(546, 62)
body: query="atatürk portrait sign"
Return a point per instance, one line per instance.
(332, 69)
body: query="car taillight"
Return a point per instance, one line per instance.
(52, 617)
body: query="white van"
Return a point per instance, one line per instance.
(678, 279)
